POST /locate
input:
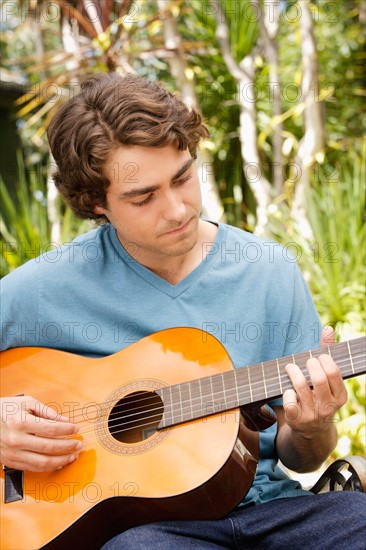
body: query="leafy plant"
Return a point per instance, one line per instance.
(333, 262)
(334, 259)
(24, 223)
(351, 421)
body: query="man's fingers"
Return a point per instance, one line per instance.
(42, 445)
(334, 377)
(31, 416)
(48, 428)
(40, 410)
(35, 462)
(291, 406)
(43, 411)
(19, 406)
(319, 380)
(35, 437)
(301, 387)
(327, 337)
(323, 395)
(326, 379)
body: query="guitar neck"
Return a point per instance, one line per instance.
(259, 383)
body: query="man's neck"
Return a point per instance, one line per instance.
(177, 268)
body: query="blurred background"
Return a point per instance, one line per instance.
(281, 85)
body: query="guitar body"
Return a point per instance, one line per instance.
(125, 475)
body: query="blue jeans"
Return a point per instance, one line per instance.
(334, 521)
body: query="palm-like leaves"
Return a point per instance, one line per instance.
(24, 227)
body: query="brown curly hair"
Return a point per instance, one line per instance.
(109, 112)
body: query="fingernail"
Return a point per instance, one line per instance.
(79, 446)
(73, 457)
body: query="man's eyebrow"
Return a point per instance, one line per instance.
(151, 188)
(137, 192)
(184, 168)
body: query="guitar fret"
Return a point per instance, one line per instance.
(220, 392)
(279, 375)
(264, 380)
(223, 387)
(180, 402)
(212, 390)
(190, 398)
(236, 387)
(250, 384)
(200, 391)
(242, 386)
(186, 401)
(208, 397)
(350, 356)
(195, 401)
(171, 404)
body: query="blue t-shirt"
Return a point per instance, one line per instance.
(92, 298)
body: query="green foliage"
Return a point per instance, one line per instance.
(334, 259)
(341, 39)
(336, 207)
(24, 221)
(333, 262)
(217, 94)
(351, 421)
(25, 229)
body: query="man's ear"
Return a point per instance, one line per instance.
(99, 210)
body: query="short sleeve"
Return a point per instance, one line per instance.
(19, 307)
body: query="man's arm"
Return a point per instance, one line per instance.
(306, 432)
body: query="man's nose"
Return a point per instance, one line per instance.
(173, 207)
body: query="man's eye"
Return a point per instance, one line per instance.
(183, 180)
(141, 203)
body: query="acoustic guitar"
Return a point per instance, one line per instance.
(162, 430)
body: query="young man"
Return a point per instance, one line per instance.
(125, 151)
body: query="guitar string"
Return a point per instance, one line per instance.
(140, 425)
(207, 381)
(149, 417)
(203, 382)
(92, 436)
(181, 404)
(157, 412)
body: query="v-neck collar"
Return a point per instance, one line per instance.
(174, 291)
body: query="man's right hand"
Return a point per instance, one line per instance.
(35, 437)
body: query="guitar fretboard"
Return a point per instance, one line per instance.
(259, 383)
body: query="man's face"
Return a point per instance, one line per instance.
(153, 201)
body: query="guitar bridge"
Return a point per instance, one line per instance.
(14, 484)
(14, 481)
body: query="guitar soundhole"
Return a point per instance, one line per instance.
(136, 417)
